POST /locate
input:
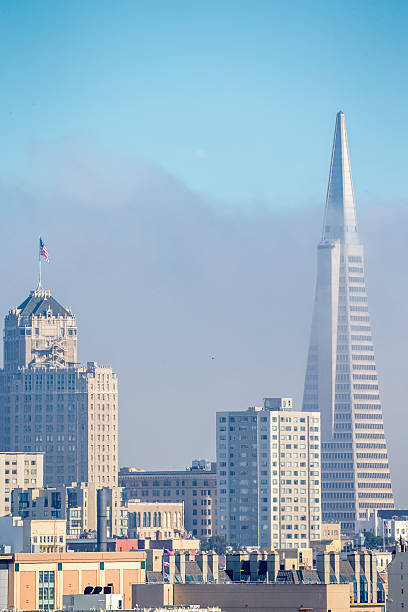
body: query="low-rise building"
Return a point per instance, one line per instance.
(114, 601)
(11, 534)
(192, 608)
(380, 523)
(39, 582)
(90, 544)
(397, 572)
(262, 582)
(330, 538)
(384, 558)
(187, 545)
(18, 470)
(155, 520)
(75, 503)
(44, 536)
(195, 486)
(249, 597)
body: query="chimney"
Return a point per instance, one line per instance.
(154, 559)
(253, 566)
(202, 561)
(233, 566)
(323, 567)
(368, 566)
(169, 567)
(181, 565)
(335, 565)
(354, 560)
(213, 565)
(272, 566)
(102, 519)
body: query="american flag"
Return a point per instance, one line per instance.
(43, 251)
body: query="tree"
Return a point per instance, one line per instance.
(217, 543)
(372, 541)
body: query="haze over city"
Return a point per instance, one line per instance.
(176, 163)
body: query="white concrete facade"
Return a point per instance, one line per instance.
(341, 377)
(268, 476)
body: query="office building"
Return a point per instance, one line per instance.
(196, 487)
(268, 476)
(51, 404)
(18, 471)
(341, 375)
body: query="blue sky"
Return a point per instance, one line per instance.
(236, 99)
(175, 156)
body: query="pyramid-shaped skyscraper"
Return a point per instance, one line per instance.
(341, 377)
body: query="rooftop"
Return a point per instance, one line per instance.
(40, 303)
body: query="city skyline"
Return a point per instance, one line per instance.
(197, 410)
(53, 268)
(176, 169)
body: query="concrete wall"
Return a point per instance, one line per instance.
(265, 598)
(11, 534)
(248, 597)
(152, 595)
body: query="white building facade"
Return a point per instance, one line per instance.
(268, 476)
(341, 376)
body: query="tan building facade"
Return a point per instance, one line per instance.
(75, 503)
(51, 404)
(39, 582)
(44, 536)
(238, 597)
(330, 538)
(196, 487)
(18, 470)
(155, 520)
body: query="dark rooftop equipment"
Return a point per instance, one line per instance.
(102, 519)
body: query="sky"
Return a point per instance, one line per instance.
(174, 156)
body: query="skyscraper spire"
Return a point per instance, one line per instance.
(340, 221)
(341, 375)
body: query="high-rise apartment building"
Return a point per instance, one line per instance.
(51, 404)
(268, 476)
(341, 376)
(18, 471)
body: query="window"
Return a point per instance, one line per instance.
(46, 591)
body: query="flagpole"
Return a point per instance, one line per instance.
(39, 264)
